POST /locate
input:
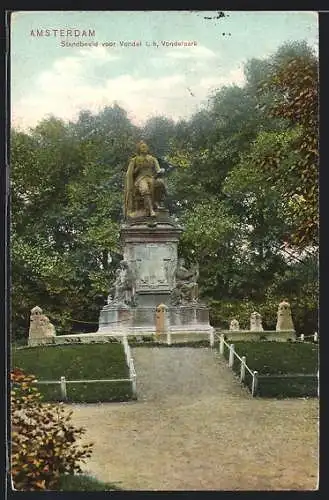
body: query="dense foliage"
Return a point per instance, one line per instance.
(244, 187)
(44, 443)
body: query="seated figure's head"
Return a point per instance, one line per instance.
(142, 147)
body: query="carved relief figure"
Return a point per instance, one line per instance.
(144, 188)
(124, 286)
(284, 317)
(186, 290)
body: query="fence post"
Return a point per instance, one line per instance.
(132, 375)
(63, 389)
(211, 338)
(134, 385)
(221, 345)
(318, 376)
(254, 384)
(231, 356)
(243, 369)
(302, 337)
(125, 343)
(128, 353)
(168, 338)
(315, 336)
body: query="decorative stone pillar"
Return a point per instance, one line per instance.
(284, 317)
(161, 319)
(256, 322)
(41, 331)
(234, 325)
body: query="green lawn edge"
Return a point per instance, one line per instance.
(275, 358)
(78, 362)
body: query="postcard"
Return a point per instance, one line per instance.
(164, 250)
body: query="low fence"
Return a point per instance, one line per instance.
(255, 377)
(244, 368)
(62, 382)
(314, 337)
(130, 364)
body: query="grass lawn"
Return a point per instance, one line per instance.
(77, 362)
(82, 482)
(280, 358)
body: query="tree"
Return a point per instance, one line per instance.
(67, 184)
(294, 80)
(157, 133)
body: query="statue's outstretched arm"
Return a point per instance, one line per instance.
(157, 167)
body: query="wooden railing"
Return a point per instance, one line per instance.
(130, 364)
(303, 337)
(63, 383)
(254, 374)
(132, 376)
(243, 363)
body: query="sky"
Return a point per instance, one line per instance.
(147, 80)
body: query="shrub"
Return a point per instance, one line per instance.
(304, 316)
(43, 440)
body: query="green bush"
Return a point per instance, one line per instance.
(221, 313)
(43, 440)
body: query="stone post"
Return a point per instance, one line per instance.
(41, 331)
(221, 345)
(243, 369)
(231, 356)
(284, 317)
(161, 319)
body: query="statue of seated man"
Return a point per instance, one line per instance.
(144, 188)
(186, 290)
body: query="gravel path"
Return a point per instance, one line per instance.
(194, 428)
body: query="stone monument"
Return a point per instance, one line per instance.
(151, 273)
(284, 318)
(41, 331)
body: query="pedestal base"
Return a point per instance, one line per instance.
(140, 321)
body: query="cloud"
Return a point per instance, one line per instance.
(99, 53)
(234, 76)
(198, 52)
(70, 86)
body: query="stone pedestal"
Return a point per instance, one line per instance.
(150, 249)
(151, 252)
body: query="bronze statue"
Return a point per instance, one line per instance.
(144, 189)
(186, 290)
